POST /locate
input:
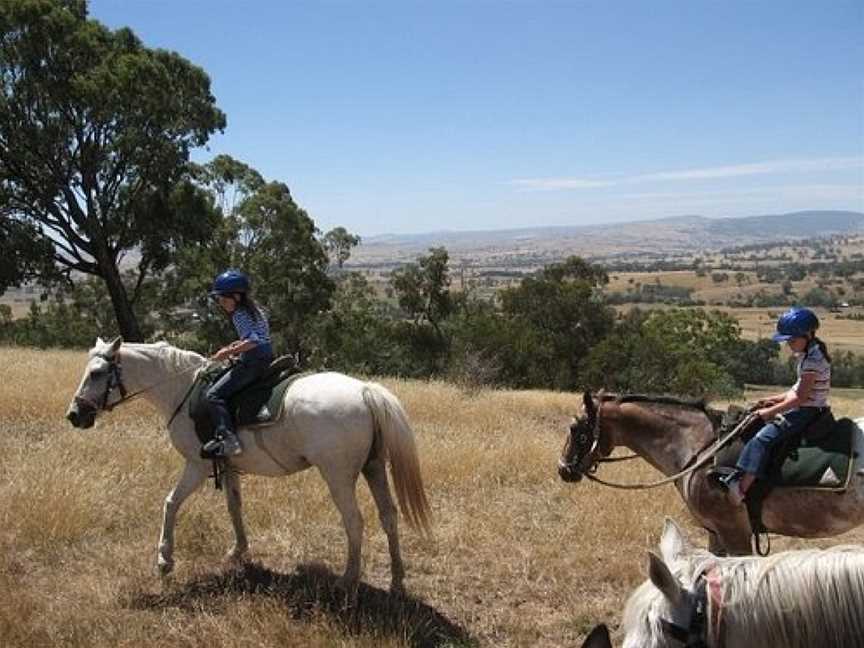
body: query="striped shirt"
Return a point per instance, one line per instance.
(250, 328)
(814, 361)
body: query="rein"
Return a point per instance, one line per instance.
(694, 464)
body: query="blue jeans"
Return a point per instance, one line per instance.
(239, 376)
(754, 456)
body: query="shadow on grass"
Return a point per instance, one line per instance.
(312, 591)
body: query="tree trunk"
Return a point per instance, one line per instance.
(127, 323)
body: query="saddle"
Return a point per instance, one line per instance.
(818, 458)
(259, 403)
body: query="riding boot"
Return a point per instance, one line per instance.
(231, 446)
(224, 444)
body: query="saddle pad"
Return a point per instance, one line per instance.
(822, 464)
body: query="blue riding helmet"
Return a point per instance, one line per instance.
(796, 322)
(229, 282)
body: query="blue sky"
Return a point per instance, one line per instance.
(408, 116)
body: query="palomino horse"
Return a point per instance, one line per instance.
(340, 425)
(796, 599)
(673, 435)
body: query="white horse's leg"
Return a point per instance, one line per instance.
(343, 491)
(235, 509)
(375, 473)
(193, 476)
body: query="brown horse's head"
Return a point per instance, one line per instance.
(579, 451)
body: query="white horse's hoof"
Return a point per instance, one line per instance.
(237, 557)
(165, 567)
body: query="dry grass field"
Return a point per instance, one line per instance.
(518, 557)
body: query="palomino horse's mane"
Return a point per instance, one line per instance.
(178, 360)
(824, 588)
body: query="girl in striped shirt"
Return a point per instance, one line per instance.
(254, 352)
(792, 411)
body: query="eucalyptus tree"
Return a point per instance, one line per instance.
(95, 135)
(262, 231)
(338, 242)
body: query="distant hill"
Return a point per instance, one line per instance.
(540, 245)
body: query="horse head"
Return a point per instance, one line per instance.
(581, 448)
(101, 377)
(671, 607)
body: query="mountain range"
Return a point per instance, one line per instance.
(678, 234)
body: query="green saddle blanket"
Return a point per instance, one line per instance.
(822, 463)
(260, 403)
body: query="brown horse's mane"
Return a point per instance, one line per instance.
(663, 399)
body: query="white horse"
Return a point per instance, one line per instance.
(796, 599)
(340, 425)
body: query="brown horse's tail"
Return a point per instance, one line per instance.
(393, 429)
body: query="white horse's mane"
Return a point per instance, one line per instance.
(796, 599)
(178, 360)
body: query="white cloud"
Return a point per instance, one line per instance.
(773, 167)
(548, 184)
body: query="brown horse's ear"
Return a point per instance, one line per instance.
(598, 638)
(588, 401)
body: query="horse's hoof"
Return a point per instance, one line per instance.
(238, 558)
(348, 588)
(165, 567)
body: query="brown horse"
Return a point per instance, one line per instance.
(673, 435)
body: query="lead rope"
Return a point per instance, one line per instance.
(698, 462)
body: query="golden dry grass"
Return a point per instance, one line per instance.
(519, 558)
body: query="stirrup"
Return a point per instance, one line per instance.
(720, 476)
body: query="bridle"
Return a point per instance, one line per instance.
(115, 380)
(695, 634)
(584, 463)
(587, 463)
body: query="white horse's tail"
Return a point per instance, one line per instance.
(393, 429)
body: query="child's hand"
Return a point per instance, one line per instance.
(764, 413)
(223, 354)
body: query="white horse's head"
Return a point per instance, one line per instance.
(662, 612)
(101, 377)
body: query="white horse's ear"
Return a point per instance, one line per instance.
(115, 343)
(598, 638)
(673, 543)
(664, 579)
(99, 341)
